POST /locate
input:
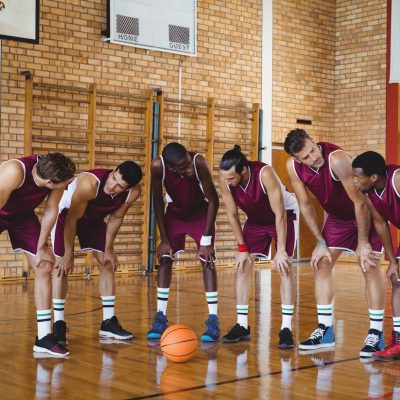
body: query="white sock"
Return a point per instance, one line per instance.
(108, 306)
(287, 314)
(58, 307)
(44, 322)
(242, 315)
(162, 299)
(212, 301)
(396, 324)
(376, 319)
(325, 314)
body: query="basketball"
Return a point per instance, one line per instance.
(178, 343)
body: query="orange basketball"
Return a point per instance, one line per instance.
(178, 343)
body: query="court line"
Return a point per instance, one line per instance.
(248, 378)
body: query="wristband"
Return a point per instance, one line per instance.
(321, 244)
(205, 241)
(242, 248)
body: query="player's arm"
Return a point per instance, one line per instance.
(307, 210)
(114, 223)
(156, 186)
(49, 218)
(382, 229)
(206, 249)
(274, 190)
(243, 258)
(342, 168)
(11, 177)
(86, 189)
(209, 192)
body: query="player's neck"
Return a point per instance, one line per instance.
(380, 183)
(245, 178)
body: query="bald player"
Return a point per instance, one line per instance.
(192, 205)
(325, 169)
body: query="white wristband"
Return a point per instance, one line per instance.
(205, 241)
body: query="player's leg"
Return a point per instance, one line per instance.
(59, 281)
(241, 330)
(375, 295)
(338, 236)
(195, 229)
(92, 237)
(24, 236)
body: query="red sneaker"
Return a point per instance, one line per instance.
(391, 352)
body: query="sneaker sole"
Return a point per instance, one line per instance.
(206, 338)
(364, 354)
(380, 358)
(153, 336)
(285, 346)
(316, 346)
(38, 349)
(105, 334)
(225, 340)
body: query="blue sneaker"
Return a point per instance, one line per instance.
(212, 329)
(373, 342)
(323, 336)
(160, 324)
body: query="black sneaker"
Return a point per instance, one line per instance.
(48, 344)
(373, 342)
(60, 332)
(285, 339)
(111, 328)
(236, 333)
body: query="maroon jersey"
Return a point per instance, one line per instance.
(103, 204)
(254, 201)
(185, 195)
(29, 195)
(325, 187)
(387, 203)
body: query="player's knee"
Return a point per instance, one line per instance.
(44, 269)
(106, 268)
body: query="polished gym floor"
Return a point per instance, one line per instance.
(257, 369)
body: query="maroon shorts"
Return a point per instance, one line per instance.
(177, 229)
(24, 232)
(91, 234)
(342, 234)
(259, 237)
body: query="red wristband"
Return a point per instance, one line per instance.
(242, 248)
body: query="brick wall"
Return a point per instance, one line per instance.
(71, 53)
(360, 76)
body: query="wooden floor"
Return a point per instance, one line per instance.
(101, 369)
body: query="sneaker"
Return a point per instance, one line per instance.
(111, 328)
(285, 339)
(48, 344)
(236, 333)
(374, 342)
(60, 332)
(323, 336)
(212, 329)
(160, 324)
(391, 352)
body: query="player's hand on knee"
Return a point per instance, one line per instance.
(66, 264)
(206, 256)
(243, 262)
(44, 254)
(393, 273)
(164, 250)
(110, 258)
(367, 257)
(282, 262)
(318, 254)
